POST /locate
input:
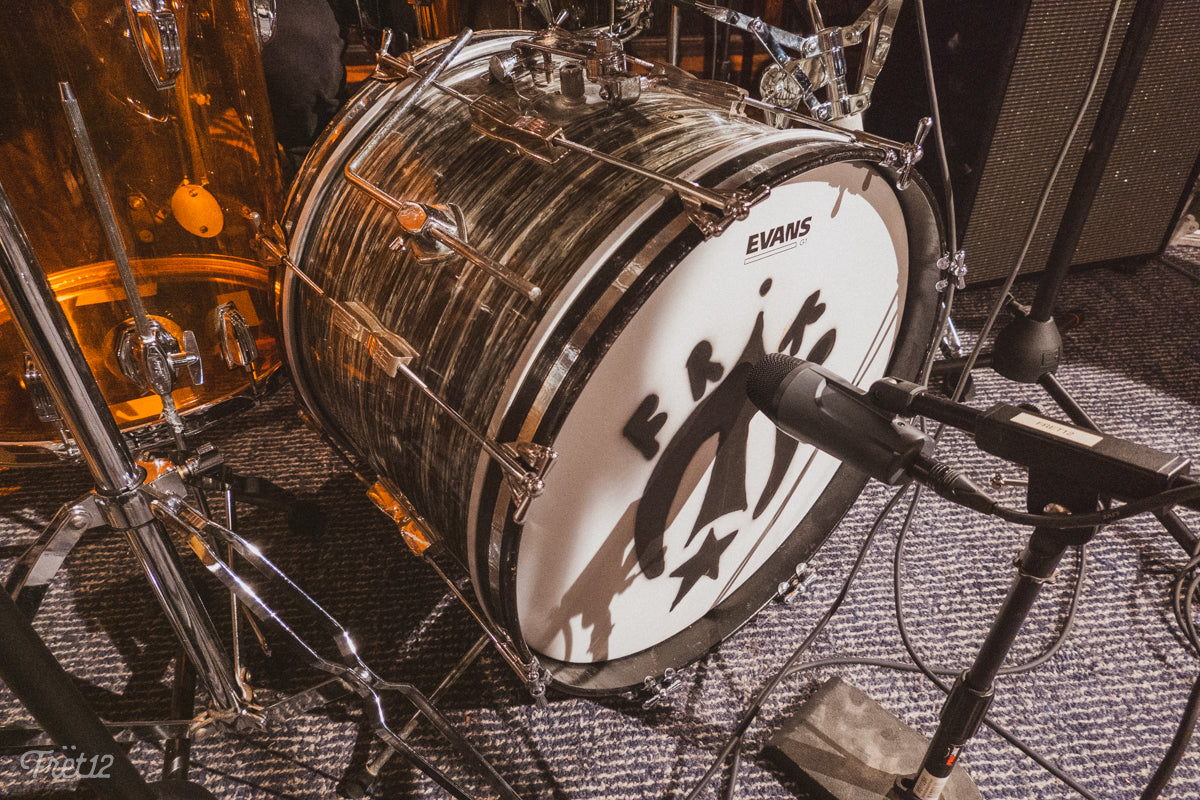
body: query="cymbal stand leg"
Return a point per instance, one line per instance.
(204, 537)
(177, 749)
(31, 575)
(358, 783)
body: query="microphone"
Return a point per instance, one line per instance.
(812, 404)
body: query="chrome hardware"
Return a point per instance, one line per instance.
(43, 403)
(38, 565)
(155, 31)
(880, 21)
(536, 679)
(157, 368)
(656, 690)
(954, 268)
(789, 83)
(262, 14)
(238, 346)
(999, 480)
(822, 55)
(528, 485)
(912, 152)
(799, 583)
(153, 363)
(739, 205)
(571, 82)
(533, 136)
(388, 350)
(620, 89)
(541, 139)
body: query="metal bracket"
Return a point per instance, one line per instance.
(238, 347)
(153, 363)
(799, 583)
(155, 32)
(657, 690)
(533, 136)
(911, 152)
(388, 350)
(954, 268)
(43, 403)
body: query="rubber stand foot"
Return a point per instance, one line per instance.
(355, 785)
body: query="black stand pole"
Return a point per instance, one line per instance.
(1031, 346)
(969, 700)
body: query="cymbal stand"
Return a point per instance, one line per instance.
(117, 500)
(126, 501)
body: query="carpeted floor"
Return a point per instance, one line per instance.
(1104, 708)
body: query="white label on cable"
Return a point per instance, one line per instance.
(1057, 429)
(927, 787)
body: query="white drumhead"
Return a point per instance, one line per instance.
(669, 492)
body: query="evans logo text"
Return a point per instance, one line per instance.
(760, 242)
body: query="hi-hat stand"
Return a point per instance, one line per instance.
(29, 668)
(128, 499)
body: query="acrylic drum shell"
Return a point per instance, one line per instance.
(208, 130)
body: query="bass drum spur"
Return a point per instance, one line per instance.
(673, 511)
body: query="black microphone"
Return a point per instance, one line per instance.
(814, 405)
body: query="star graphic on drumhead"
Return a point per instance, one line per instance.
(706, 562)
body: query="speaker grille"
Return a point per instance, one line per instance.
(1058, 47)
(1011, 81)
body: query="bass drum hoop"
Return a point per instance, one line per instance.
(913, 343)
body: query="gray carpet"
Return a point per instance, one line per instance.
(1103, 709)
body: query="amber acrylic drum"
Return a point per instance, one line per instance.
(173, 99)
(673, 510)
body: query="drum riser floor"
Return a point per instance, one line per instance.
(1104, 708)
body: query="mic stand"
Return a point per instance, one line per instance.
(1029, 348)
(973, 691)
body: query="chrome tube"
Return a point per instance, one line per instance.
(51, 343)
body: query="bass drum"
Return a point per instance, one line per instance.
(673, 510)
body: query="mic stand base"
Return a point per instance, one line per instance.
(844, 745)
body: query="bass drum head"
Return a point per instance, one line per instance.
(674, 510)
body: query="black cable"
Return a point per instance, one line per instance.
(1171, 497)
(1183, 735)
(732, 743)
